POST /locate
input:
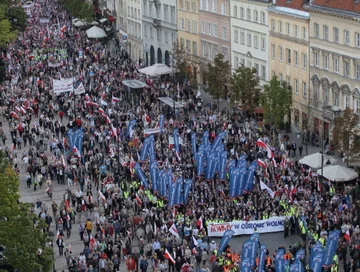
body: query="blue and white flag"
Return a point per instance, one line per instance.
(331, 246)
(222, 165)
(187, 188)
(140, 173)
(154, 175)
(225, 240)
(262, 258)
(193, 143)
(131, 128)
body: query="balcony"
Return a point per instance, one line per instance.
(330, 113)
(155, 2)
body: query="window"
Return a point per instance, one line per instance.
(256, 41)
(273, 51)
(182, 23)
(166, 13)
(203, 49)
(296, 58)
(188, 46)
(209, 28)
(214, 7)
(325, 32)
(236, 62)
(241, 12)
(208, 5)
(235, 11)
(357, 39)
(188, 25)
(280, 53)
(256, 65)
(316, 59)
(304, 61)
(272, 24)
(357, 68)
(357, 106)
(166, 34)
(242, 37)
(236, 36)
(223, 9)
(224, 33)
(262, 17)
(346, 102)
(316, 30)
(187, 6)
(249, 40)
(256, 16)
(346, 68)
(151, 32)
(346, 37)
(249, 63)
(280, 27)
(281, 77)
(296, 86)
(304, 33)
(248, 14)
(326, 94)
(336, 34)
(242, 62)
(288, 81)
(287, 29)
(263, 47)
(326, 62)
(263, 72)
(203, 27)
(195, 27)
(202, 5)
(288, 56)
(336, 99)
(193, 7)
(173, 15)
(296, 31)
(181, 4)
(194, 47)
(336, 64)
(304, 87)
(182, 42)
(215, 30)
(158, 34)
(224, 52)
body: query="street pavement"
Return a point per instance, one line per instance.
(272, 240)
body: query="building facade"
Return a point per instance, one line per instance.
(134, 29)
(159, 20)
(121, 21)
(214, 30)
(188, 18)
(335, 59)
(289, 54)
(249, 36)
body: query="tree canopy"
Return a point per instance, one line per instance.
(245, 88)
(7, 33)
(20, 230)
(345, 136)
(80, 9)
(276, 101)
(218, 77)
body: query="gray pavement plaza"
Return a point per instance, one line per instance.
(271, 240)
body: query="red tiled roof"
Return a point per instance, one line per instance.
(348, 5)
(294, 4)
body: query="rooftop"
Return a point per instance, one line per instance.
(292, 4)
(346, 5)
(290, 11)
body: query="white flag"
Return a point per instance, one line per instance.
(263, 186)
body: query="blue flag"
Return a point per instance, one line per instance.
(140, 173)
(161, 123)
(280, 261)
(193, 143)
(262, 258)
(176, 140)
(225, 240)
(210, 167)
(131, 128)
(154, 175)
(234, 181)
(75, 139)
(246, 249)
(218, 140)
(145, 149)
(246, 265)
(200, 163)
(205, 140)
(315, 250)
(331, 246)
(255, 236)
(187, 188)
(172, 194)
(318, 262)
(254, 252)
(179, 192)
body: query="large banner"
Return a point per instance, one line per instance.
(273, 224)
(63, 85)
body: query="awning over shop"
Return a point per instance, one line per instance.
(170, 102)
(103, 20)
(111, 18)
(134, 84)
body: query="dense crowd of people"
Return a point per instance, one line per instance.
(119, 219)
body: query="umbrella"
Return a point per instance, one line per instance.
(156, 70)
(95, 33)
(314, 160)
(80, 23)
(338, 173)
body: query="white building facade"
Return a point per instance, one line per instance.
(249, 36)
(159, 24)
(121, 21)
(134, 29)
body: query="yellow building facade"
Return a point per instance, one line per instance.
(188, 26)
(289, 57)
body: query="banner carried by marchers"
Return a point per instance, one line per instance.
(63, 85)
(273, 224)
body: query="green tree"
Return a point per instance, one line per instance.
(245, 88)
(184, 64)
(7, 34)
(79, 9)
(17, 17)
(276, 101)
(345, 138)
(20, 230)
(218, 78)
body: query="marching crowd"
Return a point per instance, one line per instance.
(120, 220)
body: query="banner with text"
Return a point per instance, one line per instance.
(63, 85)
(273, 224)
